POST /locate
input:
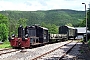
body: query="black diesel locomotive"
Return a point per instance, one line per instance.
(37, 35)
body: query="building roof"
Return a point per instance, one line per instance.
(70, 27)
(81, 29)
(44, 28)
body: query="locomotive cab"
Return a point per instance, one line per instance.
(38, 35)
(31, 32)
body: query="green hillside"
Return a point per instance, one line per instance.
(57, 17)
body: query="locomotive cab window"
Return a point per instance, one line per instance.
(32, 32)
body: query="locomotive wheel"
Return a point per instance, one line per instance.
(30, 47)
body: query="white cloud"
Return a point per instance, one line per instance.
(32, 5)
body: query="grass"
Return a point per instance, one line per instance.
(89, 44)
(6, 44)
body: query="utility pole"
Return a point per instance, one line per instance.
(86, 19)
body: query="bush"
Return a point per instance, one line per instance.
(89, 42)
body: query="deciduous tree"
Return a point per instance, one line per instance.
(88, 19)
(4, 25)
(3, 32)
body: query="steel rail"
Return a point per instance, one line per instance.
(67, 51)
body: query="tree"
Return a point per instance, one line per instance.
(88, 19)
(22, 21)
(13, 27)
(43, 24)
(16, 23)
(3, 27)
(69, 24)
(57, 17)
(3, 32)
(4, 19)
(51, 27)
(82, 23)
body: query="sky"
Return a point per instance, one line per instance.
(34, 5)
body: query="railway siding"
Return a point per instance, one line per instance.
(35, 52)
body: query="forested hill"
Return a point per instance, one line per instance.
(57, 17)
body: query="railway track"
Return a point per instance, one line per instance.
(4, 49)
(67, 51)
(40, 53)
(59, 58)
(7, 51)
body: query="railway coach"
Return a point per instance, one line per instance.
(70, 31)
